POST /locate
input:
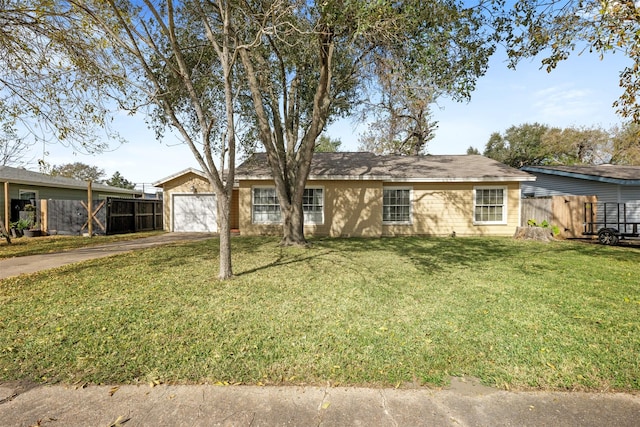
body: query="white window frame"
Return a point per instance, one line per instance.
(23, 191)
(504, 205)
(307, 220)
(253, 205)
(410, 220)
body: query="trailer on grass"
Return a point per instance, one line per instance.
(611, 222)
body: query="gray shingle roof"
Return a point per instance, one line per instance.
(27, 177)
(368, 166)
(616, 174)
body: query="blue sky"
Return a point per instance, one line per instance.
(579, 92)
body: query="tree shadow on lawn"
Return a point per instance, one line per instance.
(435, 254)
(286, 258)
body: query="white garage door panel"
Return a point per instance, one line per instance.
(194, 213)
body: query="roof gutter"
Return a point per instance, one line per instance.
(596, 178)
(387, 178)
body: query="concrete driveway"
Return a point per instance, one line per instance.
(30, 264)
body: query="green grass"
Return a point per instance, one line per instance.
(24, 246)
(388, 312)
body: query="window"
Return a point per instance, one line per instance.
(28, 194)
(266, 208)
(313, 205)
(396, 205)
(490, 205)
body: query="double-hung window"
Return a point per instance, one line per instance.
(313, 205)
(266, 208)
(396, 205)
(490, 205)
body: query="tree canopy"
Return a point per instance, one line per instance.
(117, 180)
(46, 85)
(538, 144)
(79, 171)
(326, 144)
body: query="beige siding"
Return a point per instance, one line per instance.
(439, 209)
(183, 184)
(354, 208)
(351, 208)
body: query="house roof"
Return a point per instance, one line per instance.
(163, 181)
(27, 177)
(368, 166)
(613, 174)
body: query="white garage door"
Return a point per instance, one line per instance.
(194, 213)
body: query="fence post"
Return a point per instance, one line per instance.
(7, 205)
(90, 208)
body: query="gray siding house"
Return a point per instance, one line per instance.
(610, 183)
(22, 184)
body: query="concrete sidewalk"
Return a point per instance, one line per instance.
(207, 405)
(30, 264)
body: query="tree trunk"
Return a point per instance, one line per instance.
(293, 226)
(224, 224)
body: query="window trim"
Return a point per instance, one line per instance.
(253, 204)
(505, 204)
(410, 220)
(315, 187)
(21, 191)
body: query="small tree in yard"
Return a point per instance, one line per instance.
(177, 59)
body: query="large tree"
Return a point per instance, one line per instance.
(519, 146)
(625, 144)
(577, 146)
(537, 144)
(402, 122)
(306, 62)
(177, 59)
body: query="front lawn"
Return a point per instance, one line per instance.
(387, 312)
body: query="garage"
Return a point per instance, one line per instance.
(194, 213)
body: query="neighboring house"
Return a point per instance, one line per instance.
(362, 194)
(22, 184)
(609, 183)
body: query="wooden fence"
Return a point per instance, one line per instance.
(110, 216)
(565, 212)
(133, 215)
